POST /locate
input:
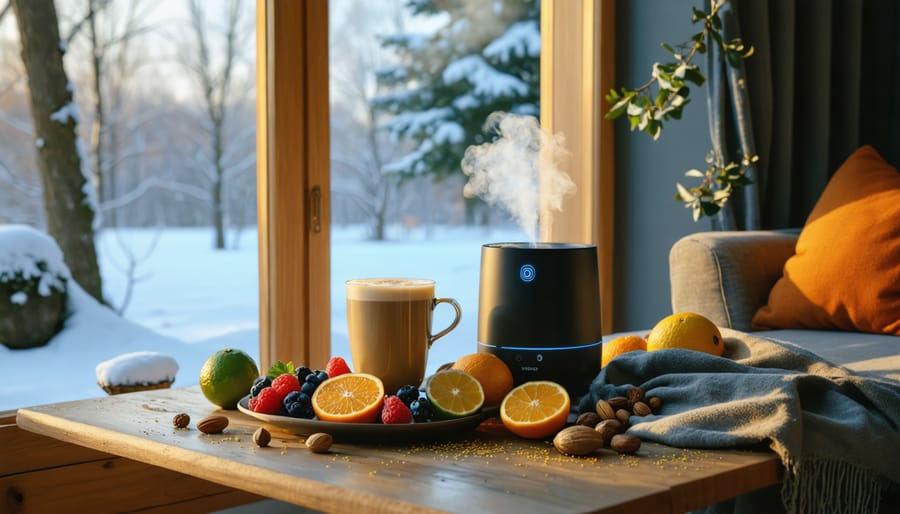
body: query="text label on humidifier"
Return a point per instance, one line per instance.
(527, 273)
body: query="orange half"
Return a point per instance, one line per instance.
(535, 409)
(349, 398)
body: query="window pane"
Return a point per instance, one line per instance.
(410, 90)
(173, 170)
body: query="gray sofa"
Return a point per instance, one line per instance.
(726, 276)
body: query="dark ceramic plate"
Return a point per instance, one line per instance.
(374, 432)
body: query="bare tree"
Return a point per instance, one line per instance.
(361, 150)
(69, 200)
(216, 80)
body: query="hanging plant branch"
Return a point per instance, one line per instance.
(663, 98)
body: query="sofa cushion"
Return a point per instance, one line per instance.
(845, 274)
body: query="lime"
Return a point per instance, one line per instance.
(227, 376)
(454, 393)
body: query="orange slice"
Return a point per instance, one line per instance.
(535, 409)
(349, 398)
(454, 393)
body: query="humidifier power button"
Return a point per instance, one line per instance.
(527, 273)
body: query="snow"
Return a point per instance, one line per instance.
(485, 80)
(190, 301)
(520, 39)
(65, 113)
(28, 253)
(137, 368)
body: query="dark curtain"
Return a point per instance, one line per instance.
(824, 80)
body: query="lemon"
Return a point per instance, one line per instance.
(686, 330)
(454, 393)
(227, 376)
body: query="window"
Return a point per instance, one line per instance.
(293, 161)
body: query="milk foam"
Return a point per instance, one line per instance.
(390, 289)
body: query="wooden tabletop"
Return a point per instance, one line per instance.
(486, 470)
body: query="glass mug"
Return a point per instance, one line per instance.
(389, 326)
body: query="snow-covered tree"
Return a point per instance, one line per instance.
(484, 58)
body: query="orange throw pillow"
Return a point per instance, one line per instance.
(845, 274)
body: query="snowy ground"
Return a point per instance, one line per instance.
(190, 301)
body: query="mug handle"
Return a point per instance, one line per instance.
(442, 333)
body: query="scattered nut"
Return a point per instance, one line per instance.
(634, 395)
(654, 403)
(181, 420)
(608, 428)
(625, 443)
(262, 437)
(212, 424)
(605, 410)
(618, 402)
(320, 442)
(641, 409)
(623, 416)
(588, 419)
(577, 440)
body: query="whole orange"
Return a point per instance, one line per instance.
(620, 345)
(494, 375)
(686, 330)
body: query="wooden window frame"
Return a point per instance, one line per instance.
(293, 159)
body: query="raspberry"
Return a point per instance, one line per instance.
(285, 383)
(395, 411)
(268, 401)
(336, 366)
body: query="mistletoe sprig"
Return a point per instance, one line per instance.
(664, 96)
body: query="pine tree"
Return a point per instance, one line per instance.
(485, 58)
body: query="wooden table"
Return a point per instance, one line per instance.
(487, 470)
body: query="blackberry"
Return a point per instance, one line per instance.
(258, 385)
(408, 394)
(302, 372)
(421, 410)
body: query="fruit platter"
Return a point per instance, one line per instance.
(355, 406)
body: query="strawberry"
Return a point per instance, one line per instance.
(395, 411)
(268, 401)
(285, 383)
(336, 366)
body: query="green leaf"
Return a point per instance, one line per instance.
(280, 368)
(668, 48)
(620, 107)
(698, 14)
(733, 58)
(709, 208)
(716, 22)
(693, 74)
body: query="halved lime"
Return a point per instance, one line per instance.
(454, 393)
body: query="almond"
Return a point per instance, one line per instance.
(641, 409)
(623, 416)
(654, 403)
(262, 437)
(320, 442)
(634, 395)
(625, 443)
(618, 402)
(605, 410)
(608, 428)
(577, 440)
(212, 424)
(588, 419)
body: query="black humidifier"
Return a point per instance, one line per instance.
(539, 311)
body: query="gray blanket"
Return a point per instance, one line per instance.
(837, 433)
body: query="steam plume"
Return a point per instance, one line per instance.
(519, 170)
